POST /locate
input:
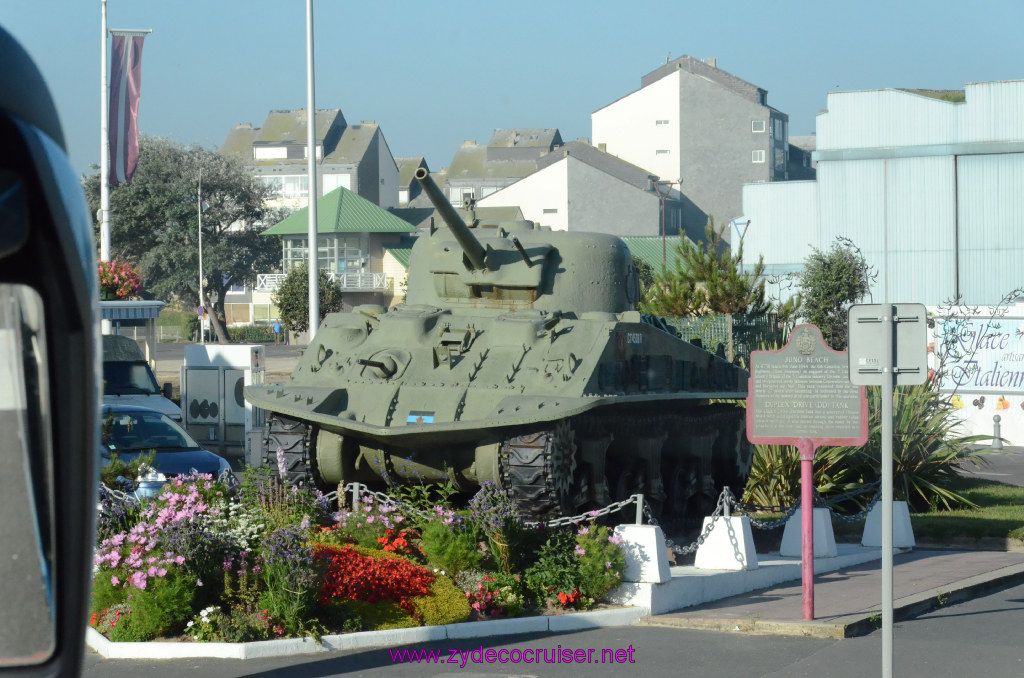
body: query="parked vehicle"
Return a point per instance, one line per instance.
(129, 380)
(137, 430)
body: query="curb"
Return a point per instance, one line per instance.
(859, 623)
(364, 639)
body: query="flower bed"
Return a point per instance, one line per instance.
(204, 561)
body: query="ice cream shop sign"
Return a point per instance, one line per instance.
(982, 356)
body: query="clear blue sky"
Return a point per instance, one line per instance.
(436, 72)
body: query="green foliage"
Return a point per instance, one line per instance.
(831, 282)
(556, 569)
(926, 447)
(449, 547)
(261, 490)
(161, 610)
(252, 334)
(601, 563)
(340, 615)
(292, 298)
(645, 274)
(446, 604)
(157, 223)
(382, 615)
(114, 468)
(706, 279)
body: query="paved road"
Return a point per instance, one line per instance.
(1006, 467)
(982, 637)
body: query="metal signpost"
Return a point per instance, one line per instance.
(888, 346)
(801, 395)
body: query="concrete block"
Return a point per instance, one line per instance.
(500, 627)
(729, 545)
(646, 558)
(824, 537)
(902, 531)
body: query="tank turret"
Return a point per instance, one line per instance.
(518, 357)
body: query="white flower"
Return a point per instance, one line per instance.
(189, 625)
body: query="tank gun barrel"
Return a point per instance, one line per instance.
(475, 252)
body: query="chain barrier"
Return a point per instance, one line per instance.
(725, 501)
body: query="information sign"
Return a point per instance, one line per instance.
(803, 391)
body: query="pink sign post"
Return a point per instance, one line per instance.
(801, 395)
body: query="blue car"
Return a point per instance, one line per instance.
(137, 430)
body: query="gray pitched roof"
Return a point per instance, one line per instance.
(239, 141)
(548, 138)
(421, 216)
(354, 142)
(698, 67)
(290, 126)
(471, 162)
(407, 168)
(607, 163)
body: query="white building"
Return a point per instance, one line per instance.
(932, 191)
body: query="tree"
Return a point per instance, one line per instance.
(155, 222)
(831, 282)
(292, 298)
(706, 279)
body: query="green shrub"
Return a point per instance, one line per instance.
(251, 334)
(382, 615)
(160, 610)
(452, 550)
(340, 615)
(556, 570)
(601, 563)
(447, 604)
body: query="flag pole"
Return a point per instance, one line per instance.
(314, 249)
(202, 329)
(104, 215)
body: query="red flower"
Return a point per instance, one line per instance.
(562, 598)
(382, 540)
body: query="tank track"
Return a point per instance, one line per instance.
(293, 437)
(703, 449)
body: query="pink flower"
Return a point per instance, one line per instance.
(114, 581)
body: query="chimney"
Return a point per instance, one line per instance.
(713, 62)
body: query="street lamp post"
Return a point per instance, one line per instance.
(663, 197)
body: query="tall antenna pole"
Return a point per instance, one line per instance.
(314, 250)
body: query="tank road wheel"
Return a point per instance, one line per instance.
(681, 486)
(629, 481)
(292, 438)
(538, 469)
(733, 454)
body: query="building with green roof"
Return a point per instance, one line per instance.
(352, 236)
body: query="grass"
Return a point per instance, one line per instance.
(1000, 515)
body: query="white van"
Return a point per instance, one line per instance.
(128, 379)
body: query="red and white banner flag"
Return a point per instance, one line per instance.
(123, 121)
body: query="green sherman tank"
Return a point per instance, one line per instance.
(518, 358)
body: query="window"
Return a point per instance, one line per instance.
(757, 126)
(460, 194)
(550, 210)
(269, 152)
(661, 151)
(779, 134)
(295, 186)
(487, 190)
(659, 123)
(757, 156)
(780, 159)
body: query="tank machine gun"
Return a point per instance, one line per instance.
(517, 358)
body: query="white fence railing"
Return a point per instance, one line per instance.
(269, 282)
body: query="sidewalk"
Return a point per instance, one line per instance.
(848, 600)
